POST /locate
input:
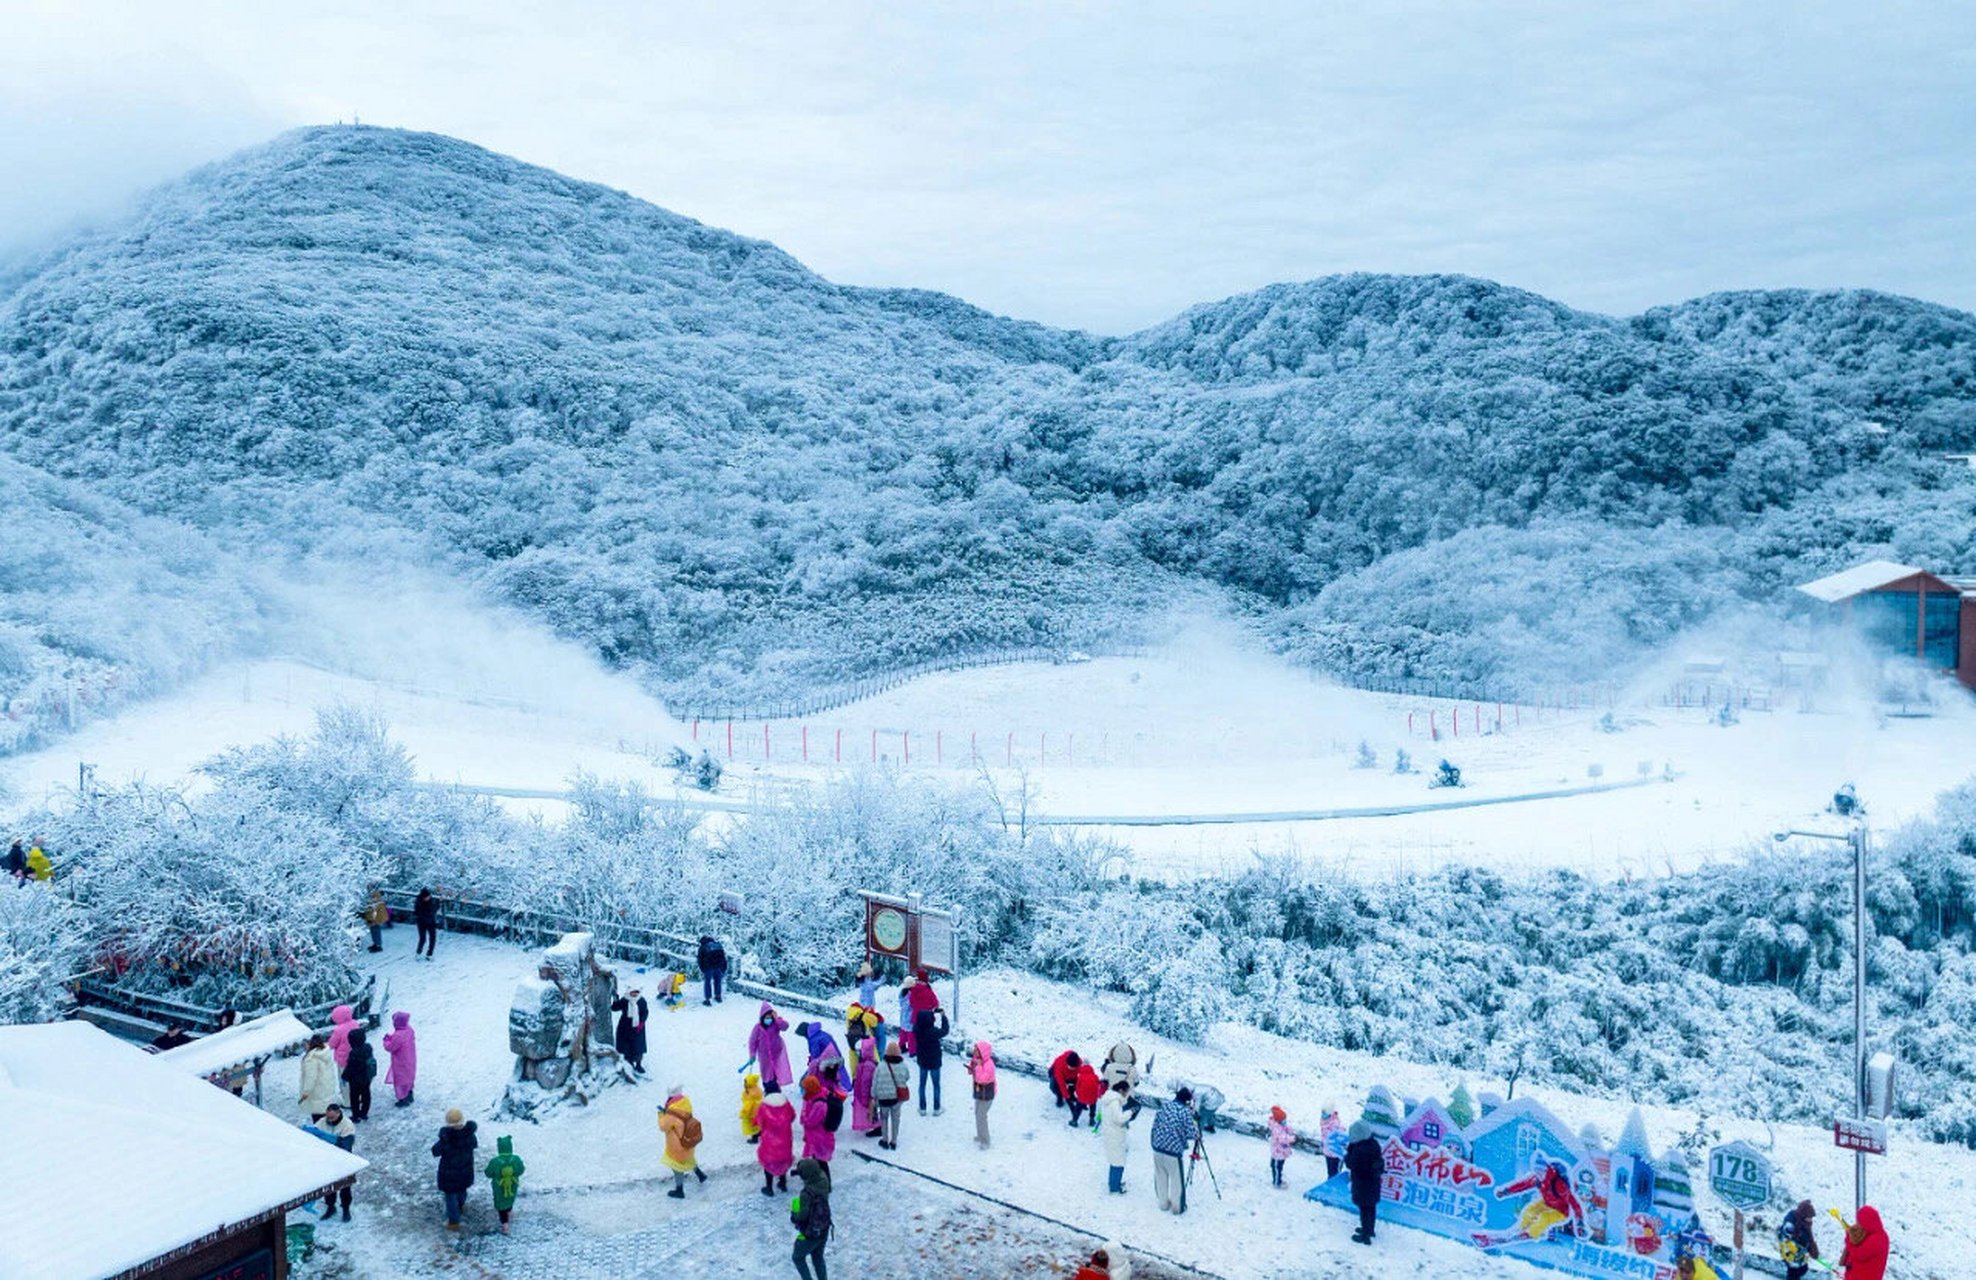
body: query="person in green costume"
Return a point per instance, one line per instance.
(504, 1175)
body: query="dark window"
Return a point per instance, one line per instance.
(1887, 618)
(1943, 630)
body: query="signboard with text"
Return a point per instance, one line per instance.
(1869, 1136)
(1739, 1175)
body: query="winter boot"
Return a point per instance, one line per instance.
(768, 1183)
(701, 1174)
(677, 1193)
(346, 1213)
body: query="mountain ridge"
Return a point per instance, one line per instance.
(686, 449)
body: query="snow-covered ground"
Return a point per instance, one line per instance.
(1206, 727)
(593, 1201)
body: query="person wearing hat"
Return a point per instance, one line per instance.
(1282, 1139)
(1368, 1166)
(682, 1134)
(504, 1178)
(1174, 1133)
(455, 1151)
(335, 1127)
(632, 1012)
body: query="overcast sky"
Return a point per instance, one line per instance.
(1101, 165)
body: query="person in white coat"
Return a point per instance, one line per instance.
(1113, 1119)
(320, 1085)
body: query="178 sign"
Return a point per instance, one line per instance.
(1739, 1175)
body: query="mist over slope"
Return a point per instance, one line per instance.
(689, 453)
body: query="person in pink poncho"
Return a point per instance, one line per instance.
(777, 1149)
(342, 1021)
(403, 1046)
(819, 1139)
(863, 1118)
(766, 1052)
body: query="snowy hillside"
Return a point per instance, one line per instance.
(701, 461)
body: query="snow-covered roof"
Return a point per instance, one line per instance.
(126, 1158)
(1848, 583)
(238, 1045)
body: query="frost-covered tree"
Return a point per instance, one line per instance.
(42, 950)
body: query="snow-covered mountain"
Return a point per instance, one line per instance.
(695, 456)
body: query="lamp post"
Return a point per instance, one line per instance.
(1846, 805)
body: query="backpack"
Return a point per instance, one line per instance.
(812, 1218)
(833, 1113)
(690, 1132)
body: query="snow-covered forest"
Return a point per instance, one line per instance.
(713, 467)
(1726, 989)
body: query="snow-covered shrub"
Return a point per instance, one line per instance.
(1186, 994)
(42, 949)
(1366, 758)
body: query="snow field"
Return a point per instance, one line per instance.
(594, 1190)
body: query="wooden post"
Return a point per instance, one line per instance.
(1739, 1244)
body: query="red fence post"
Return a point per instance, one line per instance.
(874, 746)
(696, 728)
(730, 739)
(1011, 747)
(1478, 717)
(1454, 720)
(766, 756)
(840, 746)
(806, 744)
(939, 757)
(906, 745)
(1409, 724)
(974, 746)
(1043, 747)
(1433, 727)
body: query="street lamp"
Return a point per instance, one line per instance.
(1846, 805)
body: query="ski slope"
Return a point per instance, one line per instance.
(1181, 743)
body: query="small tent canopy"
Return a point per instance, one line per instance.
(240, 1045)
(125, 1160)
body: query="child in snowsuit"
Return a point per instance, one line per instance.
(776, 1151)
(1331, 1136)
(1795, 1241)
(1085, 1092)
(1281, 1139)
(672, 992)
(504, 1177)
(682, 1134)
(751, 1101)
(403, 1047)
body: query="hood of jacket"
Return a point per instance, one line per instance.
(342, 1013)
(399, 1021)
(1359, 1131)
(505, 1145)
(1869, 1221)
(358, 1038)
(816, 1181)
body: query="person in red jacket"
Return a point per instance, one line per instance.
(1063, 1076)
(1086, 1090)
(1867, 1245)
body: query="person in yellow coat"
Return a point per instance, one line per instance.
(38, 865)
(751, 1098)
(1694, 1268)
(682, 1133)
